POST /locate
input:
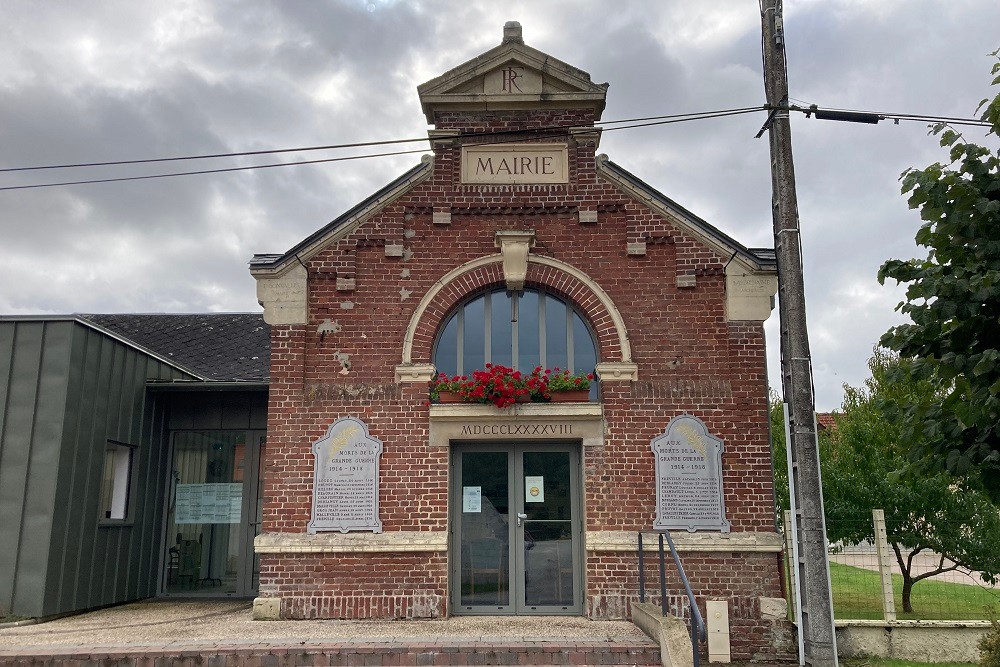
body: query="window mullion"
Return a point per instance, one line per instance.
(460, 347)
(515, 361)
(488, 327)
(542, 337)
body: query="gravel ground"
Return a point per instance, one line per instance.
(170, 621)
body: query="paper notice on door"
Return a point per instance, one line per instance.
(534, 489)
(472, 499)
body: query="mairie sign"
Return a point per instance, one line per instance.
(515, 164)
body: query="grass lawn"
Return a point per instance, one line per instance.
(857, 595)
(886, 662)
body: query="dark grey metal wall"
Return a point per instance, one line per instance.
(65, 389)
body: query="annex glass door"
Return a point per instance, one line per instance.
(213, 513)
(517, 530)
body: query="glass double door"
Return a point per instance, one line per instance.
(213, 513)
(517, 530)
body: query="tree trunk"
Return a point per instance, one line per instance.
(907, 588)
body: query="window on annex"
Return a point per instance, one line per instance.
(116, 481)
(517, 329)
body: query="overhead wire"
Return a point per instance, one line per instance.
(362, 144)
(532, 133)
(535, 133)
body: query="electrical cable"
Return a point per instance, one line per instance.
(206, 171)
(679, 118)
(361, 144)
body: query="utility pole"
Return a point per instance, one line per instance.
(816, 630)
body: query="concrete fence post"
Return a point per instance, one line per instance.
(884, 565)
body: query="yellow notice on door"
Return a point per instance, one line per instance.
(534, 489)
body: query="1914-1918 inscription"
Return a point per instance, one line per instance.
(689, 491)
(345, 479)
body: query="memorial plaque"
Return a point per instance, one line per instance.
(689, 477)
(345, 479)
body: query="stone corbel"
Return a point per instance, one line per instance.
(749, 296)
(415, 372)
(284, 297)
(514, 247)
(618, 371)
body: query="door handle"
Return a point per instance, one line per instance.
(521, 518)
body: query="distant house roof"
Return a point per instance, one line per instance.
(219, 347)
(826, 420)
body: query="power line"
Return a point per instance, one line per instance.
(206, 171)
(624, 124)
(678, 118)
(385, 142)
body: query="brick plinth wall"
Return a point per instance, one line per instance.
(356, 586)
(740, 578)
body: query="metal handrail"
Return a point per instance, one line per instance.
(698, 630)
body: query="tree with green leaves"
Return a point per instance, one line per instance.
(953, 301)
(925, 511)
(865, 466)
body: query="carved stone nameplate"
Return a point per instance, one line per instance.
(345, 479)
(515, 164)
(689, 477)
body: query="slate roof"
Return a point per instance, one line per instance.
(225, 347)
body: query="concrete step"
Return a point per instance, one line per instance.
(339, 654)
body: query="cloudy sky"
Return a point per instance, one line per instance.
(106, 80)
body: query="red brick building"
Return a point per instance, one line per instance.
(514, 244)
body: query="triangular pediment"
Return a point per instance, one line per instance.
(512, 76)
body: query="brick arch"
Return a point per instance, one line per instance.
(551, 274)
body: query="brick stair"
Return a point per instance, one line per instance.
(340, 654)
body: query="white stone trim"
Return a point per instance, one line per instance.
(284, 297)
(389, 542)
(514, 247)
(617, 371)
(603, 297)
(418, 313)
(626, 540)
(749, 295)
(543, 422)
(415, 372)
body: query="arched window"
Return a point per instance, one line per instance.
(517, 329)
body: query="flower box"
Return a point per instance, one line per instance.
(571, 396)
(450, 397)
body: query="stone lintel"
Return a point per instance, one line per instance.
(525, 421)
(388, 542)
(617, 371)
(415, 372)
(626, 540)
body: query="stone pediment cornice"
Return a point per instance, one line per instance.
(511, 76)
